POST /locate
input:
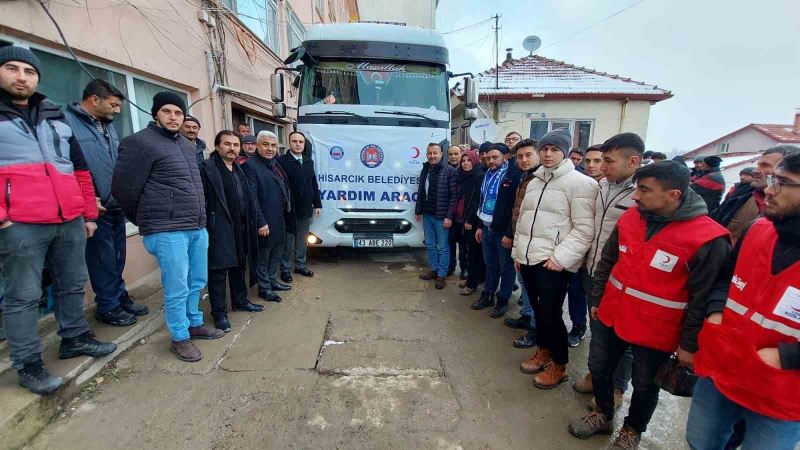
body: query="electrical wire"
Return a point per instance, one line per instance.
(74, 56)
(468, 27)
(593, 25)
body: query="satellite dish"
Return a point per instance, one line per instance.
(482, 130)
(532, 43)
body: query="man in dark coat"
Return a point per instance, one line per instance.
(157, 184)
(711, 184)
(299, 169)
(190, 129)
(231, 224)
(270, 186)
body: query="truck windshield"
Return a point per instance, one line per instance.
(375, 83)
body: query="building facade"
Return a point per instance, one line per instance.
(413, 13)
(534, 95)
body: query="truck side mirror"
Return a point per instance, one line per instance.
(279, 110)
(470, 93)
(276, 84)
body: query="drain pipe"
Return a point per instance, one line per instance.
(623, 109)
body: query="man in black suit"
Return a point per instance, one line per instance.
(231, 223)
(299, 168)
(270, 185)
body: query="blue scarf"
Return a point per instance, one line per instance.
(489, 189)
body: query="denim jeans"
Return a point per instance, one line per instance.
(607, 349)
(26, 249)
(183, 259)
(576, 298)
(105, 259)
(527, 309)
(296, 247)
(437, 243)
(499, 265)
(622, 374)
(269, 258)
(712, 416)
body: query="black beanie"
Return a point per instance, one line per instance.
(21, 54)
(484, 147)
(167, 98)
(194, 119)
(713, 161)
(502, 148)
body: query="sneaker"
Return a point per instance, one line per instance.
(523, 322)
(117, 317)
(427, 275)
(204, 332)
(185, 350)
(576, 335)
(440, 282)
(536, 362)
(551, 376)
(594, 422)
(84, 345)
(527, 340)
(34, 377)
(500, 308)
(627, 439)
(133, 308)
(466, 290)
(486, 300)
(618, 395)
(584, 385)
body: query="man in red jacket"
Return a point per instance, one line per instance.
(749, 357)
(47, 212)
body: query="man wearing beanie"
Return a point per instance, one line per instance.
(47, 181)
(710, 185)
(157, 183)
(554, 231)
(190, 129)
(249, 147)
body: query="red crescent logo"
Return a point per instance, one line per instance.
(667, 260)
(416, 155)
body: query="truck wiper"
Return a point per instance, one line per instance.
(336, 113)
(401, 113)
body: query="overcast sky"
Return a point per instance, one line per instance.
(728, 63)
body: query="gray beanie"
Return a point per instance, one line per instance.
(21, 54)
(559, 137)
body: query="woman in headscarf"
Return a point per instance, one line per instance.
(470, 177)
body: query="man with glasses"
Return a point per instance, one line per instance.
(512, 139)
(749, 356)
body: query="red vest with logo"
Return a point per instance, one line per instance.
(762, 311)
(646, 295)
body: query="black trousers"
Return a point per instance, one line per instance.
(474, 255)
(216, 289)
(454, 238)
(607, 349)
(546, 290)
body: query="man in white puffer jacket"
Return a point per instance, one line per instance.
(554, 231)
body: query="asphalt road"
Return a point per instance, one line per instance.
(364, 355)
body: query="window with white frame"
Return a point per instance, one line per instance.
(581, 130)
(296, 32)
(723, 147)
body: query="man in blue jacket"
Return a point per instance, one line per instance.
(91, 123)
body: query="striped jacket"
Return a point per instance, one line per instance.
(43, 173)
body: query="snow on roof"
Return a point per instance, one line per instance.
(539, 76)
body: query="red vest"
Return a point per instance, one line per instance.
(646, 295)
(762, 311)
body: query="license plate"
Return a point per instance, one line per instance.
(380, 243)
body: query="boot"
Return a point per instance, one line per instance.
(500, 308)
(618, 395)
(537, 362)
(584, 385)
(486, 300)
(133, 308)
(185, 350)
(427, 275)
(84, 345)
(594, 422)
(440, 282)
(552, 375)
(628, 439)
(34, 377)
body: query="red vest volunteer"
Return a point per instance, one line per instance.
(646, 295)
(762, 311)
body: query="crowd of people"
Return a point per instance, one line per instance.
(70, 184)
(648, 255)
(641, 249)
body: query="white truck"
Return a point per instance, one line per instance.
(371, 98)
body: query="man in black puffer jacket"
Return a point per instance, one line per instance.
(157, 184)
